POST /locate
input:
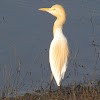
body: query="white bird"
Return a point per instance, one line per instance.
(58, 52)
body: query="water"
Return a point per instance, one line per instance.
(25, 36)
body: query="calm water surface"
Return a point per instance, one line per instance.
(25, 36)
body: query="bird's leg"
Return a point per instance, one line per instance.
(51, 80)
(60, 86)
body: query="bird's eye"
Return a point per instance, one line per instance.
(54, 9)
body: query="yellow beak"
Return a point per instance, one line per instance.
(44, 9)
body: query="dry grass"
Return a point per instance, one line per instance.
(89, 91)
(67, 93)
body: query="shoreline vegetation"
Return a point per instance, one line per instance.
(85, 91)
(77, 92)
(14, 81)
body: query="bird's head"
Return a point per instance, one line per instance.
(56, 10)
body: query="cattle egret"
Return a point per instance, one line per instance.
(58, 52)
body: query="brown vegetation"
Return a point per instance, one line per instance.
(67, 93)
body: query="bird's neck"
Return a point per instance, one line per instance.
(59, 23)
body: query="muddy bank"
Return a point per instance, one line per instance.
(78, 92)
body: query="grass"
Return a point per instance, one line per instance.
(78, 92)
(84, 91)
(88, 91)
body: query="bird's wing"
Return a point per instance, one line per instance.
(58, 58)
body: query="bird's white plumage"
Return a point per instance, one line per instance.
(60, 40)
(58, 52)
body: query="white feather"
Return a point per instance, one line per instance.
(59, 36)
